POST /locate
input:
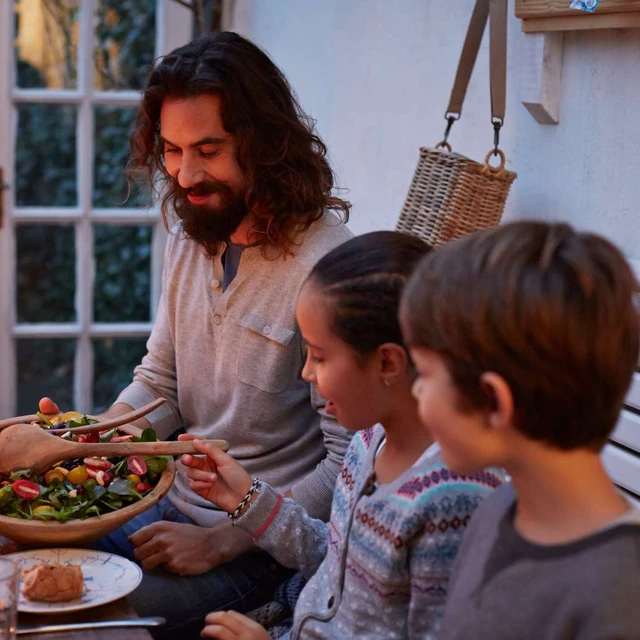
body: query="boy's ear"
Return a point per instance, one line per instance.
(393, 361)
(498, 391)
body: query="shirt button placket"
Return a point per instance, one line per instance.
(217, 319)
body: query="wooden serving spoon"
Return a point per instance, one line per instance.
(27, 446)
(7, 422)
(125, 418)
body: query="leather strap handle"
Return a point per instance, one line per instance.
(498, 58)
(496, 12)
(468, 56)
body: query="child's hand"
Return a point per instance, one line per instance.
(216, 476)
(230, 625)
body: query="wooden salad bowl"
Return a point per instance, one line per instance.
(80, 533)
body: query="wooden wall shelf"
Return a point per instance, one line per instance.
(546, 21)
(555, 15)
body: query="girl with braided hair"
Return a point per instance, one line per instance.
(380, 568)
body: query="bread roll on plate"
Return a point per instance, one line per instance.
(53, 582)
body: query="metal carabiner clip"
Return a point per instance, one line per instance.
(497, 124)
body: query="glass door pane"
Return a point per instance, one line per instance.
(46, 368)
(46, 43)
(122, 285)
(115, 359)
(45, 273)
(124, 43)
(112, 127)
(45, 157)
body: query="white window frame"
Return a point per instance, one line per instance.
(173, 28)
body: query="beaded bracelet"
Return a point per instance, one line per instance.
(254, 488)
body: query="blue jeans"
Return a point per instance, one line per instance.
(243, 584)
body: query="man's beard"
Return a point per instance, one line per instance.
(210, 225)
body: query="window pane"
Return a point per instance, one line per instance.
(46, 43)
(113, 362)
(46, 155)
(122, 289)
(125, 43)
(110, 189)
(45, 273)
(45, 368)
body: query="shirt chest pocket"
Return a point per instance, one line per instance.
(268, 357)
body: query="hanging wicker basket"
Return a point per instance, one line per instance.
(451, 195)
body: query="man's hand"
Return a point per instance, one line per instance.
(48, 406)
(186, 549)
(231, 625)
(216, 476)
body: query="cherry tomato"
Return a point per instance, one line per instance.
(142, 487)
(78, 475)
(132, 477)
(70, 415)
(25, 489)
(44, 512)
(98, 464)
(89, 437)
(137, 465)
(53, 474)
(121, 438)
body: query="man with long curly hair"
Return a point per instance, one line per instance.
(222, 136)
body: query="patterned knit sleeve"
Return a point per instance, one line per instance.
(284, 529)
(428, 585)
(449, 505)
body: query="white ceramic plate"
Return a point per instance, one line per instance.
(107, 577)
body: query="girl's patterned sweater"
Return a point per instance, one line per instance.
(380, 568)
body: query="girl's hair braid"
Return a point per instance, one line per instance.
(363, 279)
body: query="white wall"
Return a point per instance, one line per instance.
(377, 74)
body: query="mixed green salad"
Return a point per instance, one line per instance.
(82, 487)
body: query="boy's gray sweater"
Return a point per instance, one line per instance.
(229, 364)
(505, 587)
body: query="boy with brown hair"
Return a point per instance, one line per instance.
(525, 338)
